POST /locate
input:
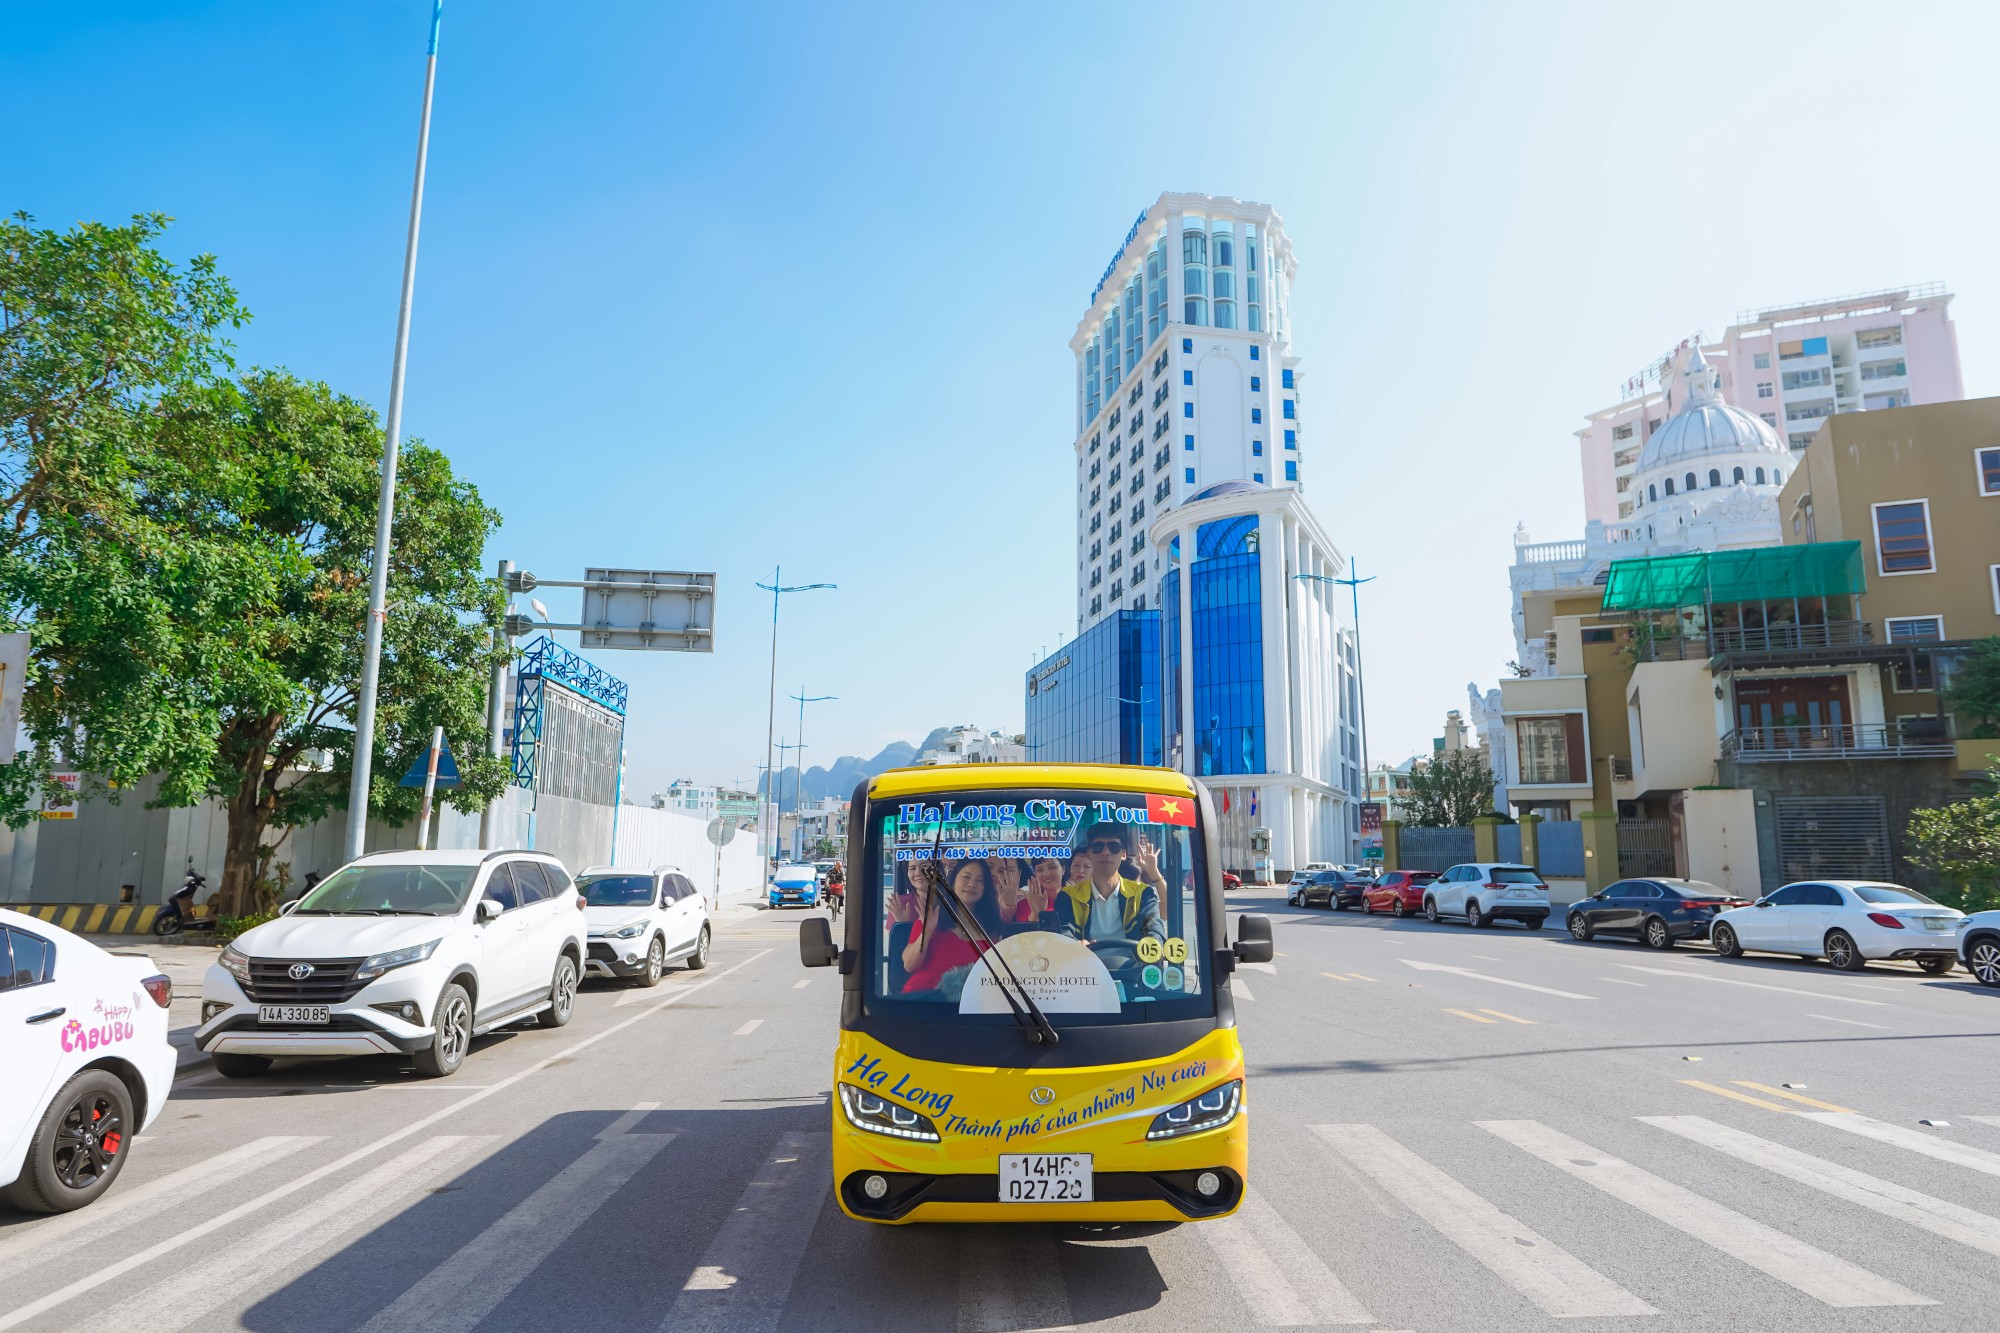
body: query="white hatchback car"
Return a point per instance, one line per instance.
(642, 920)
(1850, 923)
(84, 1062)
(399, 952)
(1487, 891)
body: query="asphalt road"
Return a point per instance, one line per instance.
(1453, 1130)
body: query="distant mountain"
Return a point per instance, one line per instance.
(848, 771)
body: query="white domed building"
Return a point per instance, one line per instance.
(1709, 478)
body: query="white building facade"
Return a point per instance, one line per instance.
(1184, 377)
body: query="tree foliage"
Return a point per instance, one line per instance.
(1450, 790)
(192, 555)
(1960, 843)
(1975, 689)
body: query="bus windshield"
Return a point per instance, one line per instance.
(1095, 900)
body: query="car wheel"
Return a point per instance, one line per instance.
(1400, 910)
(1579, 928)
(656, 964)
(1431, 910)
(1536, 922)
(1723, 940)
(699, 958)
(78, 1148)
(1936, 967)
(1656, 935)
(1474, 917)
(451, 1034)
(562, 995)
(240, 1066)
(1842, 952)
(1336, 902)
(1983, 961)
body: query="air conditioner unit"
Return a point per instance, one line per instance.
(1628, 810)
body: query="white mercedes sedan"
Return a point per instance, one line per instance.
(1850, 923)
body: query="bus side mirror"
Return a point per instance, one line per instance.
(816, 943)
(1253, 939)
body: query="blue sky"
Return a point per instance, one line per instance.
(728, 286)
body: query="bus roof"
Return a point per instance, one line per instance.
(984, 777)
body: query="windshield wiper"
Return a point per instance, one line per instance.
(1032, 1020)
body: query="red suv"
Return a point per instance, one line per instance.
(1398, 892)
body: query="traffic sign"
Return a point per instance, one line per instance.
(721, 831)
(447, 769)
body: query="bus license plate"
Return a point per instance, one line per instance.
(1058, 1177)
(315, 1014)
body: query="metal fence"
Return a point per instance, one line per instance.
(1435, 848)
(1645, 847)
(1561, 844)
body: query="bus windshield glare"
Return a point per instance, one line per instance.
(1096, 900)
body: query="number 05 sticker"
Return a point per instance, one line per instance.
(1149, 949)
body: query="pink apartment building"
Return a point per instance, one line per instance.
(1792, 366)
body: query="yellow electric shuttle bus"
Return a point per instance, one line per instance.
(1035, 1018)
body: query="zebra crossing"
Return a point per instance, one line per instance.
(1570, 1241)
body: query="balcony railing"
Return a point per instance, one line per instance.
(1791, 638)
(1928, 739)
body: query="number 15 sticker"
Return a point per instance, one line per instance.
(1177, 950)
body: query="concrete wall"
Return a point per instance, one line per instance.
(1672, 707)
(1719, 834)
(1904, 784)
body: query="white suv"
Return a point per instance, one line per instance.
(1487, 891)
(410, 952)
(642, 920)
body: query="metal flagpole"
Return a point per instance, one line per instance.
(385, 506)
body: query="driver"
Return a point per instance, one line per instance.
(1102, 905)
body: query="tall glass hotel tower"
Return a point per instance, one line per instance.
(1197, 645)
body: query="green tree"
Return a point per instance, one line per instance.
(1960, 843)
(1975, 689)
(1450, 790)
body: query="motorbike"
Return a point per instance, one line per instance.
(178, 914)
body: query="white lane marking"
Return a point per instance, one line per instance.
(1936, 1216)
(992, 1298)
(1826, 1278)
(118, 1268)
(1498, 981)
(1486, 958)
(465, 1288)
(1554, 1279)
(673, 981)
(801, 985)
(1241, 988)
(1616, 982)
(748, 1028)
(1902, 1136)
(1851, 1022)
(744, 1279)
(1271, 968)
(1993, 1120)
(1753, 985)
(123, 1208)
(1258, 1248)
(232, 1272)
(628, 1121)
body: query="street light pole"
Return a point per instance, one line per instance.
(777, 589)
(778, 807)
(385, 505)
(799, 778)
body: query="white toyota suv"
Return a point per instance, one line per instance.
(642, 920)
(1487, 891)
(410, 952)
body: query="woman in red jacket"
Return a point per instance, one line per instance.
(936, 944)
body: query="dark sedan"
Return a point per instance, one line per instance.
(1331, 888)
(1657, 912)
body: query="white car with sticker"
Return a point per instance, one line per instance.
(85, 1064)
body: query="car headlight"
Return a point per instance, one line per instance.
(879, 1115)
(382, 962)
(631, 932)
(1212, 1110)
(236, 964)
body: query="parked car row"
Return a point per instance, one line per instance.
(1479, 892)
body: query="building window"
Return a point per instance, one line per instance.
(1994, 571)
(1196, 311)
(1777, 477)
(1769, 418)
(1256, 384)
(1291, 410)
(1760, 476)
(1256, 416)
(1194, 247)
(1714, 476)
(1187, 409)
(1914, 629)
(1190, 476)
(1550, 749)
(1257, 476)
(1187, 344)
(1764, 389)
(1187, 377)
(1256, 448)
(1623, 432)
(1187, 441)
(1291, 439)
(1739, 476)
(1600, 634)
(1670, 482)
(1903, 538)
(1883, 370)
(1760, 361)
(1690, 482)
(1988, 463)
(1253, 353)
(1879, 338)
(1653, 492)
(1918, 671)
(1285, 378)
(1291, 469)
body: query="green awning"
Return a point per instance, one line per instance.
(1757, 574)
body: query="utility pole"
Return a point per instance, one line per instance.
(799, 781)
(385, 505)
(496, 711)
(777, 590)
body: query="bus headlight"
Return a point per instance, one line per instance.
(1212, 1110)
(879, 1115)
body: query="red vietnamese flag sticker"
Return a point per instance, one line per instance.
(1170, 809)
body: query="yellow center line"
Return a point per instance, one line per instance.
(1335, 975)
(1356, 976)
(1791, 1096)
(1509, 1017)
(1477, 1018)
(1737, 1096)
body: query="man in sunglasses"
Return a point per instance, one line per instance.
(1103, 905)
